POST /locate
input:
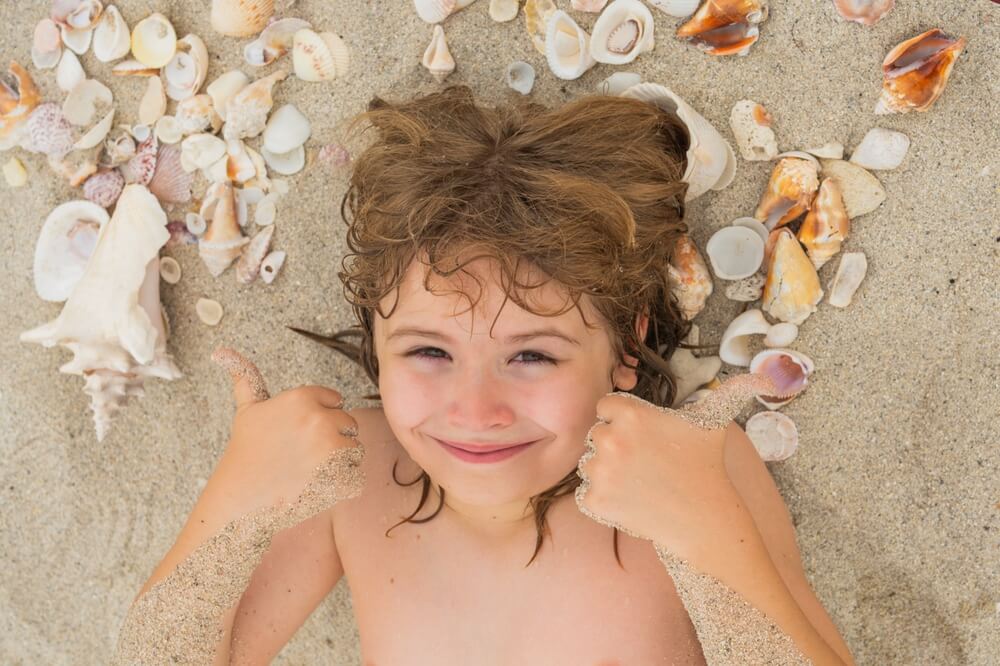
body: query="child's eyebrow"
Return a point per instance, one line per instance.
(520, 337)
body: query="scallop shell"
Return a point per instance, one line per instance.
(826, 225)
(434, 11)
(319, 56)
(209, 312)
(792, 289)
(46, 45)
(276, 40)
(141, 167)
(185, 73)
(76, 14)
(773, 434)
(154, 40)
(18, 98)
(154, 102)
(622, 31)
(725, 27)
(590, 6)
(788, 369)
(520, 76)
(222, 89)
(47, 131)
(112, 37)
(104, 187)
(867, 12)
(881, 149)
(862, 192)
(77, 41)
(286, 130)
(677, 8)
(789, 192)
(285, 163)
(567, 47)
(536, 17)
(916, 72)
(751, 125)
(502, 11)
(65, 243)
(690, 281)
(223, 241)
(240, 18)
(248, 267)
(246, 111)
(271, 265)
(711, 162)
(197, 114)
(735, 346)
(850, 272)
(437, 58)
(170, 183)
(85, 101)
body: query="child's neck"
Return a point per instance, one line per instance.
(502, 522)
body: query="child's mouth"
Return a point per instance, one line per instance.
(495, 455)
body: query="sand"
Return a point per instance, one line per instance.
(893, 488)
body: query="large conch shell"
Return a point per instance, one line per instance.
(112, 321)
(867, 12)
(725, 27)
(916, 72)
(711, 162)
(622, 31)
(223, 241)
(18, 98)
(792, 289)
(826, 225)
(240, 18)
(690, 281)
(64, 246)
(789, 192)
(567, 47)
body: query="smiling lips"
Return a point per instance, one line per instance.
(473, 448)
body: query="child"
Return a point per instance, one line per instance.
(571, 214)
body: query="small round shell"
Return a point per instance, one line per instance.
(881, 149)
(773, 434)
(502, 11)
(788, 369)
(735, 252)
(195, 224)
(170, 270)
(285, 163)
(286, 130)
(168, 130)
(781, 334)
(46, 47)
(319, 56)
(521, 77)
(210, 312)
(154, 40)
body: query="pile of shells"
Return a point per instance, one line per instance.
(138, 181)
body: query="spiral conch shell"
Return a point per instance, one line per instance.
(246, 111)
(789, 192)
(437, 57)
(916, 72)
(826, 225)
(112, 321)
(725, 27)
(223, 241)
(691, 283)
(792, 289)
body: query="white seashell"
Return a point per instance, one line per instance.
(97, 133)
(260, 179)
(46, 46)
(678, 8)
(735, 346)
(285, 163)
(754, 224)
(689, 278)
(248, 267)
(223, 241)
(711, 162)
(691, 372)
(622, 31)
(154, 40)
(521, 76)
(773, 434)
(502, 11)
(246, 111)
(119, 147)
(800, 154)
(239, 166)
(168, 130)
(881, 149)
(251, 196)
(276, 40)
(567, 47)
(14, 173)
(154, 102)
(197, 114)
(65, 244)
(790, 370)
(861, 190)
(81, 105)
(140, 132)
(210, 312)
(850, 272)
(133, 67)
(77, 14)
(200, 151)
(319, 56)
(735, 252)
(112, 37)
(830, 151)
(781, 334)
(266, 211)
(751, 125)
(536, 17)
(195, 224)
(437, 57)
(286, 130)
(70, 72)
(185, 73)
(748, 289)
(280, 185)
(434, 11)
(240, 18)
(170, 270)
(618, 83)
(222, 89)
(76, 40)
(271, 265)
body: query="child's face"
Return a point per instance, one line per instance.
(471, 388)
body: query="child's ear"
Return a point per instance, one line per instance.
(625, 378)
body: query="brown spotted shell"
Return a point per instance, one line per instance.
(104, 187)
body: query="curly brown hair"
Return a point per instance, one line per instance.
(590, 193)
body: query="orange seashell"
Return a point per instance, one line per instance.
(690, 280)
(789, 192)
(826, 225)
(18, 98)
(916, 72)
(725, 27)
(792, 289)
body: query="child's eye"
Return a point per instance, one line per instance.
(422, 353)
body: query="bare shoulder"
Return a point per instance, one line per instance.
(380, 447)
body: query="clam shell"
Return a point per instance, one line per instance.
(285, 163)
(276, 40)
(789, 192)
(792, 289)
(266, 211)
(112, 37)
(319, 56)
(222, 89)
(622, 31)
(788, 369)
(154, 40)
(76, 14)
(47, 131)
(437, 57)
(725, 27)
(104, 187)
(773, 434)
(77, 41)
(170, 183)
(690, 281)
(286, 130)
(185, 73)
(46, 46)
(248, 267)
(850, 272)
(881, 149)
(751, 125)
(97, 133)
(754, 224)
(209, 312)
(678, 8)
(434, 11)
(271, 265)
(735, 346)
(567, 47)
(862, 192)
(65, 244)
(826, 225)
(916, 72)
(70, 72)
(83, 102)
(520, 76)
(246, 111)
(154, 102)
(240, 18)
(502, 11)
(536, 17)
(866, 12)
(735, 252)
(170, 270)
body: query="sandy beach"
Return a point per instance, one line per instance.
(894, 487)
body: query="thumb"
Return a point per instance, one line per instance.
(248, 384)
(723, 404)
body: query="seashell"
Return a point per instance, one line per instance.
(711, 162)
(246, 111)
(251, 195)
(97, 133)
(536, 17)
(792, 289)
(248, 267)
(916, 71)
(735, 252)
(179, 235)
(239, 165)
(867, 12)
(319, 56)
(748, 289)
(140, 132)
(622, 31)
(77, 41)
(725, 27)
(285, 163)
(790, 370)
(18, 98)
(678, 8)
(112, 37)
(240, 18)
(826, 225)
(753, 224)
(83, 102)
(618, 83)
(274, 42)
(154, 102)
(590, 6)
(862, 192)
(437, 58)
(14, 173)
(75, 166)
(830, 151)
(170, 270)
(112, 320)
(170, 183)
(185, 73)
(260, 180)
(781, 334)
(133, 67)
(154, 41)
(200, 151)
(222, 89)
(691, 372)
(46, 45)
(881, 149)
(104, 187)
(286, 130)
(69, 72)
(502, 11)
(567, 47)
(434, 11)
(47, 131)
(271, 265)
(223, 241)
(64, 246)
(266, 211)
(690, 281)
(210, 312)
(735, 346)
(789, 192)
(195, 224)
(76, 14)
(850, 272)
(521, 76)
(168, 130)
(773, 434)
(142, 166)
(751, 125)
(197, 114)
